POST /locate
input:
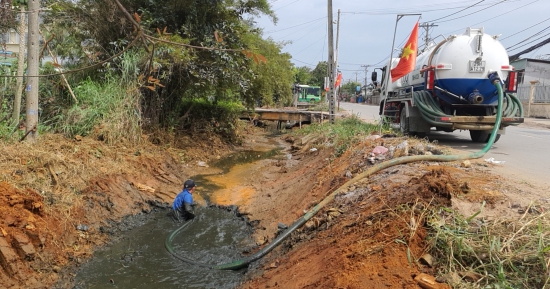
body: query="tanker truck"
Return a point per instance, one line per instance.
(449, 88)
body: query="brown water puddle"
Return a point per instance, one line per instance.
(233, 190)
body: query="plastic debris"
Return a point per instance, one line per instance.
(313, 150)
(378, 150)
(493, 161)
(82, 227)
(202, 164)
(373, 137)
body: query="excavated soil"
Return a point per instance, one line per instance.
(63, 198)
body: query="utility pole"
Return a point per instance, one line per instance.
(427, 27)
(331, 67)
(336, 89)
(32, 76)
(366, 75)
(20, 67)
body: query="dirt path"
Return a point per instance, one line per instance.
(60, 201)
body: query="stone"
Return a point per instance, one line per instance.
(23, 246)
(8, 257)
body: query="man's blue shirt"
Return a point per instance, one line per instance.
(183, 197)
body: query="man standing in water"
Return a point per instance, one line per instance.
(183, 203)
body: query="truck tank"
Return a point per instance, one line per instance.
(461, 64)
(449, 88)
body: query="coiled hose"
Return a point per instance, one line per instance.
(430, 109)
(239, 264)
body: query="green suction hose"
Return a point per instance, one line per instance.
(239, 264)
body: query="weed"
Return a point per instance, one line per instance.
(502, 253)
(343, 133)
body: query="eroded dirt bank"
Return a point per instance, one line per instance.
(59, 201)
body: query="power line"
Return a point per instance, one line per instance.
(456, 12)
(273, 31)
(517, 55)
(525, 29)
(511, 49)
(473, 12)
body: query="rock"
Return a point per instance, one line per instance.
(373, 137)
(427, 259)
(418, 149)
(260, 240)
(470, 276)
(282, 226)
(82, 227)
(23, 246)
(391, 152)
(428, 282)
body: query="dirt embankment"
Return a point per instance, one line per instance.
(60, 200)
(374, 235)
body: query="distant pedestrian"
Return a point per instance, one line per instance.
(183, 205)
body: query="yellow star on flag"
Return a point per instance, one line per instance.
(407, 51)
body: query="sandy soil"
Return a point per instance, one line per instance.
(61, 200)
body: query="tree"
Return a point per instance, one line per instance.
(319, 73)
(302, 75)
(273, 77)
(350, 87)
(195, 48)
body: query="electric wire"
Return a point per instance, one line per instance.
(472, 12)
(456, 12)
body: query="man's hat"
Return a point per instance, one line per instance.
(189, 184)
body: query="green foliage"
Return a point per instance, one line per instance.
(105, 110)
(342, 134)
(302, 75)
(206, 117)
(349, 88)
(319, 73)
(239, 67)
(272, 79)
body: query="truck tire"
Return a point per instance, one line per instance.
(482, 136)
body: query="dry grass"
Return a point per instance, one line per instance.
(500, 253)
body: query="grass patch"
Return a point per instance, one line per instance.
(500, 253)
(344, 133)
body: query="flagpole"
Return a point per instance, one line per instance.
(388, 69)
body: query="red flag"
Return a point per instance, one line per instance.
(338, 80)
(408, 57)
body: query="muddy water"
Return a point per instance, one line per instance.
(216, 236)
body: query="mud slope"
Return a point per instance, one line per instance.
(374, 234)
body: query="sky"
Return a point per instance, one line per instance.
(366, 28)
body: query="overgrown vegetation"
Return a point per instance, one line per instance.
(499, 253)
(344, 132)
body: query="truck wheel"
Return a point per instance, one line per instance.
(482, 136)
(403, 122)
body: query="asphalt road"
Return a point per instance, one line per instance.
(524, 149)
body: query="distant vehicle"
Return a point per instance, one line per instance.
(308, 93)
